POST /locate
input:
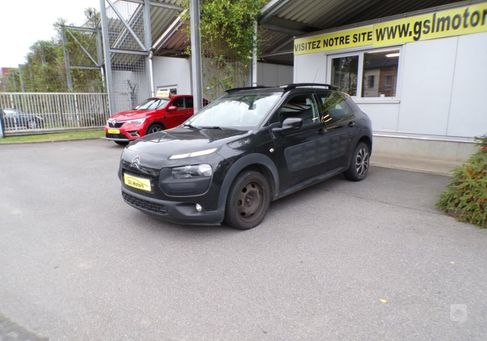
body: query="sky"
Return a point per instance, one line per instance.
(23, 22)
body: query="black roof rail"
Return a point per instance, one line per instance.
(288, 87)
(246, 88)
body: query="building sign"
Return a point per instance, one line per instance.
(440, 24)
(167, 91)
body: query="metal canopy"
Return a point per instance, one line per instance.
(282, 20)
(129, 29)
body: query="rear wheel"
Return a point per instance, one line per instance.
(248, 200)
(359, 166)
(154, 128)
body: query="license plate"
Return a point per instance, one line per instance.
(113, 131)
(136, 182)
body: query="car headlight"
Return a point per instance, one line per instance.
(136, 122)
(187, 172)
(193, 154)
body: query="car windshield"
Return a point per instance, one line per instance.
(153, 103)
(238, 111)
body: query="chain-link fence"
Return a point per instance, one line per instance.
(35, 112)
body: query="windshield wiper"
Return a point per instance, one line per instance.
(189, 125)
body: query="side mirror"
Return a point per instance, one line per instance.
(172, 108)
(290, 123)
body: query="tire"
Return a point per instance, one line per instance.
(121, 143)
(154, 128)
(248, 200)
(359, 164)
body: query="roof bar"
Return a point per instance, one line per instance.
(298, 85)
(286, 87)
(246, 88)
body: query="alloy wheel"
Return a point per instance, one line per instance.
(154, 129)
(362, 161)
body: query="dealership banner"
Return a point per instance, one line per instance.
(440, 24)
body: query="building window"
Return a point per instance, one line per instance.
(366, 74)
(370, 81)
(344, 71)
(382, 66)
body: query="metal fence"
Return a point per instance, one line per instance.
(24, 113)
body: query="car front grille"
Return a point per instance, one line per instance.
(144, 204)
(115, 124)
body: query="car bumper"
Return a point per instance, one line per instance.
(122, 136)
(173, 211)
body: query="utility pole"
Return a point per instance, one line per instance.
(148, 45)
(106, 53)
(196, 79)
(67, 64)
(254, 56)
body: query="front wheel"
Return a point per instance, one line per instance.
(359, 166)
(154, 128)
(248, 200)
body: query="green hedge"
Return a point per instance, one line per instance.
(466, 196)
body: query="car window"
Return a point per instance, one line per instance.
(179, 103)
(236, 111)
(302, 106)
(152, 104)
(189, 102)
(334, 109)
(162, 103)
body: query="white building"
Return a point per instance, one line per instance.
(421, 76)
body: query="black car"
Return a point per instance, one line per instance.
(14, 119)
(246, 149)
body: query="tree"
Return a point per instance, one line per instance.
(45, 70)
(227, 41)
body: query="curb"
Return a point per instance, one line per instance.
(411, 169)
(56, 141)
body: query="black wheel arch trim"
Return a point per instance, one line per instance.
(360, 137)
(245, 162)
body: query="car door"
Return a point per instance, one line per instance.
(189, 106)
(296, 151)
(181, 113)
(338, 120)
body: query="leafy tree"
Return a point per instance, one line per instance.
(45, 70)
(227, 41)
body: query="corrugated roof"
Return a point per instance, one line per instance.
(282, 20)
(323, 14)
(297, 17)
(132, 12)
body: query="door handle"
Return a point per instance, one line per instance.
(351, 124)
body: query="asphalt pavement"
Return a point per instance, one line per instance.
(352, 261)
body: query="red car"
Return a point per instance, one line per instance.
(153, 115)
